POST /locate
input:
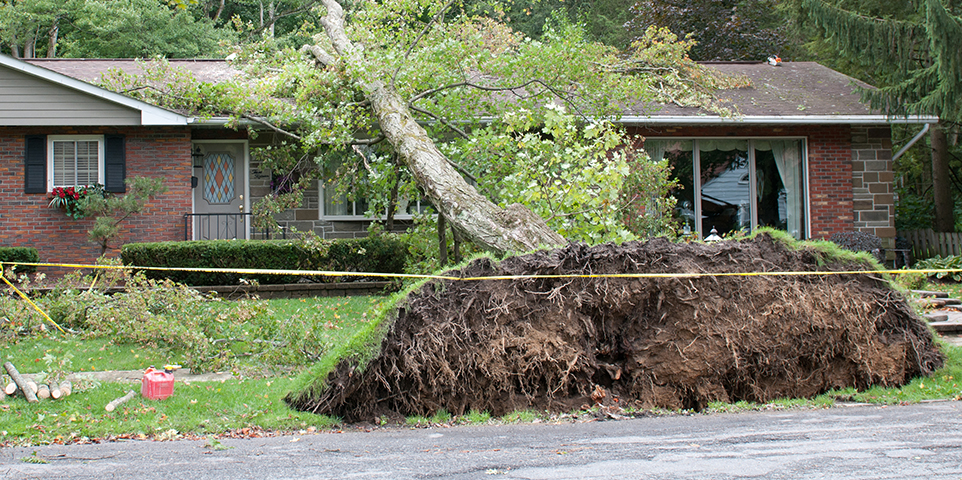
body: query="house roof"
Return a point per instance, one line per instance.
(791, 93)
(149, 114)
(91, 69)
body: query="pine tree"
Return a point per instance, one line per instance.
(922, 55)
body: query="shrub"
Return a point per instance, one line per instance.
(380, 253)
(860, 242)
(938, 262)
(20, 254)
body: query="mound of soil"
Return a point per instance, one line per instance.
(561, 343)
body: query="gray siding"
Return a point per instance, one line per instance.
(30, 101)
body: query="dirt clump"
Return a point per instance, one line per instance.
(558, 343)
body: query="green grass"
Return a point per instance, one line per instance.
(316, 333)
(309, 328)
(196, 409)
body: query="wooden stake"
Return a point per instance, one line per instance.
(43, 392)
(117, 401)
(21, 383)
(55, 392)
(66, 387)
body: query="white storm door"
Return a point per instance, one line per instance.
(220, 208)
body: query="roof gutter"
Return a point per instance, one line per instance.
(636, 120)
(917, 137)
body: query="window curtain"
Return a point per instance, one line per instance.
(788, 159)
(655, 149)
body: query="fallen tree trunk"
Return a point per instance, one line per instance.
(499, 230)
(22, 383)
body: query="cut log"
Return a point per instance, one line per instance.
(43, 392)
(21, 382)
(55, 392)
(118, 401)
(3, 395)
(66, 387)
(10, 388)
(32, 386)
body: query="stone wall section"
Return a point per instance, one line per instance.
(873, 183)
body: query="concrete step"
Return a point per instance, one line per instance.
(930, 294)
(953, 326)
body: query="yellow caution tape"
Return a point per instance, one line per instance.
(25, 297)
(252, 271)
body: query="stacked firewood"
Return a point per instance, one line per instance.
(30, 390)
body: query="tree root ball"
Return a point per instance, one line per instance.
(669, 342)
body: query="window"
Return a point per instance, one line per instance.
(75, 161)
(338, 207)
(742, 184)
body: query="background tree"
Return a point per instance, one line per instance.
(723, 29)
(919, 62)
(102, 29)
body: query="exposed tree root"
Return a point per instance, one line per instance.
(549, 344)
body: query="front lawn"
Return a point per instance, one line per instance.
(266, 344)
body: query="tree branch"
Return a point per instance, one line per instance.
(271, 126)
(421, 35)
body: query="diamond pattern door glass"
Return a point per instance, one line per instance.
(218, 178)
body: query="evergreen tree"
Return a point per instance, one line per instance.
(921, 54)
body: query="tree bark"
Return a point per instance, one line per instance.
(442, 242)
(22, 383)
(942, 181)
(119, 401)
(474, 216)
(52, 36)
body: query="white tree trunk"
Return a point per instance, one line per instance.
(472, 214)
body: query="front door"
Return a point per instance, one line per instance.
(220, 194)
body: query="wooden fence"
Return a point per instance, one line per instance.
(928, 243)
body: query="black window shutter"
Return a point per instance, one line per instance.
(35, 164)
(115, 164)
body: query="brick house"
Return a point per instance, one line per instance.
(803, 155)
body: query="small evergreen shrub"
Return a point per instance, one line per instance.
(860, 242)
(19, 254)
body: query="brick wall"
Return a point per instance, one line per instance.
(849, 173)
(26, 220)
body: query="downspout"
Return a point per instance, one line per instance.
(916, 138)
(925, 129)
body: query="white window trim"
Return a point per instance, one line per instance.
(353, 218)
(696, 181)
(74, 138)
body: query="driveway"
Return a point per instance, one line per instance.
(847, 442)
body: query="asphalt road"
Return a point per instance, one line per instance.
(852, 442)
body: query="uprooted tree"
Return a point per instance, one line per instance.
(407, 64)
(406, 77)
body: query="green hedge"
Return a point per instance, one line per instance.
(20, 254)
(376, 254)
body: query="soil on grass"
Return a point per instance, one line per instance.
(561, 343)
